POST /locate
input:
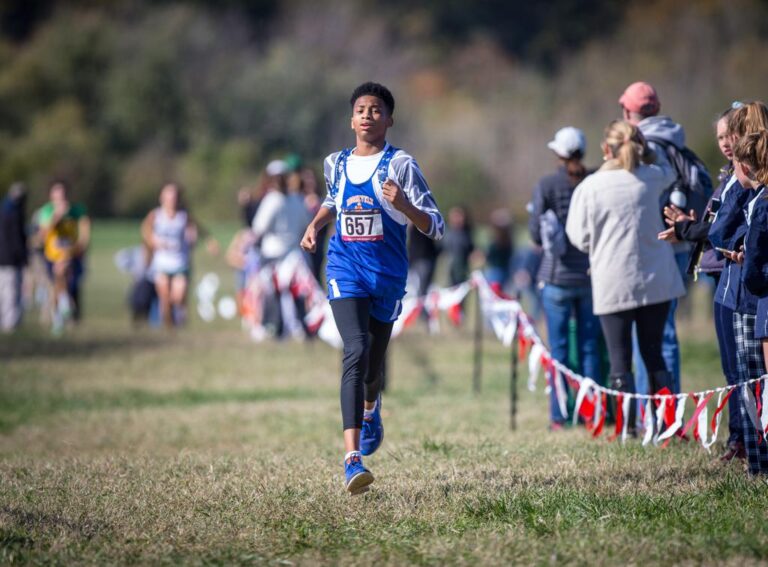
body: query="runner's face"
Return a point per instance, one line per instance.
(370, 119)
(724, 139)
(58, 194)
(169, 197)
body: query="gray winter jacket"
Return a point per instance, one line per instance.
(614, 217)
(664, 128)
(571, 269)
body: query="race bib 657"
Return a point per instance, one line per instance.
(362, 225)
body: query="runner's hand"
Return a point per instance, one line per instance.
(309, 240)
(394, 195)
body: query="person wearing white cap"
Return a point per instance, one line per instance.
(567, 142)
(277, 228)
(563, 275)
(276, 167)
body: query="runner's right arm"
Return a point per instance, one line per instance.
(147, 231)
(324, 216)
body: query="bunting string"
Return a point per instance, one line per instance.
(662, 414)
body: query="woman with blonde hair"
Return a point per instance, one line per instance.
(746, 118)
(614, 217)
(751, 168)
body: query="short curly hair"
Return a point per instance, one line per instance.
(377, 90)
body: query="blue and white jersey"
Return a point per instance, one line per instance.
(370, 232)
(172, 253)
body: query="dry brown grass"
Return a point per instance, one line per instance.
(117, 447)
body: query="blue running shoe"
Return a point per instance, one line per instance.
(357, 477)
(372, 433)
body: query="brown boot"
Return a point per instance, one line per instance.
(735, 450)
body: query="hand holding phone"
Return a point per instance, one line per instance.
(732, 255)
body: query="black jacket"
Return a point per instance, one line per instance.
(572, 268)
(698, 232)
(13, 239)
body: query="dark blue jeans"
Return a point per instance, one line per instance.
(560, 304)
(726, 340)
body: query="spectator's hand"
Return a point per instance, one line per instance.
(736, 256)
(674, 214)
(668, 235)
(309, 240)
(212, 246)
(476, 259)
(394, 195)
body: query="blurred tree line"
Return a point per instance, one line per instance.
(119, 96)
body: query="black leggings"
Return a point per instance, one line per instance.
(365, 344)
(617, 329)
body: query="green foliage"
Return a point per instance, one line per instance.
(461, 180)
(58, 144)
(121, 96)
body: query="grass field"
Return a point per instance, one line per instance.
(119, 446)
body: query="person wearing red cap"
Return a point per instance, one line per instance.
(640, 107)
(639, 101)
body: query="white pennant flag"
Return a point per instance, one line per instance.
(708, 443)
(764, 417)
(598, 408)
(625, 407)
(560, 395)
(702, 426)
(453, 295)
(534, 365)
(750, 404)
(659, 421)
(648, 422)
(508, 335)
(328, 331)
(679, 412)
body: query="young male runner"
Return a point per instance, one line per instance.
(374, 190)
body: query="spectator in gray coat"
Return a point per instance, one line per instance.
(614, 217)
(640, 107)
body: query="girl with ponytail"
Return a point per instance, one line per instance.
(751, 167)
(624, 147)
(705, 259)
(727, 235)
(614, 218)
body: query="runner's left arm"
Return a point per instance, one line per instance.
(415, 200)
(83, 235)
